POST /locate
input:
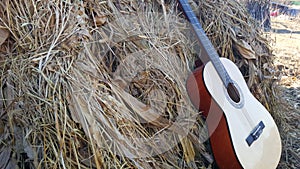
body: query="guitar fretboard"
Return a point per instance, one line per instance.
(205, 42)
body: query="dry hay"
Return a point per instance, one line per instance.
(82, 81)
(286, 45)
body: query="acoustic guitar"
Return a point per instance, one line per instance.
(242, 132)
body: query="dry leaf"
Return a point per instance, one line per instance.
(100, 20)
(245, 49)
(188, 150)
(4, 34)
(4, 157)
(2, 126)
(28, 150)
(12, 164)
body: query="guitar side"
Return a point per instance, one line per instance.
(229, 123)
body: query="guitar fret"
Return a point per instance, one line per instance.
(204, 40)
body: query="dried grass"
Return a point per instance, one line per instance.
(81, 80)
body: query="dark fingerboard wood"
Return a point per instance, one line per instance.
(205, 42)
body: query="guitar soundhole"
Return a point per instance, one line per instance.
(233, 93)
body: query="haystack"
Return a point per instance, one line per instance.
(101, 84)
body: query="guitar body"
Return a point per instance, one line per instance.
(242, 132)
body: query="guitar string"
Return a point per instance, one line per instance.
(219, 67)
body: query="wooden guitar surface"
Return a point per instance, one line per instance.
(230, 123)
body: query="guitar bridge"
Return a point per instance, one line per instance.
(255, 133)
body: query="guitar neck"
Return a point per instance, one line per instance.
(205, 42)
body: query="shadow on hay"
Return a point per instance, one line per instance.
(285, 31)
(289, 106)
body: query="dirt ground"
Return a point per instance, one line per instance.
(286, 49)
